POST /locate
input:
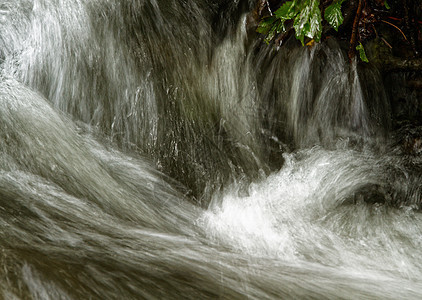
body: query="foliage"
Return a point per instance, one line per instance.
(333, 14)
(311, 19)
(362, 53)
(306, 17)
(308, 22)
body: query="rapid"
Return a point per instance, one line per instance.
(156, 149)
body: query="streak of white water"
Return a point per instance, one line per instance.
(322, 207)
(108, 108)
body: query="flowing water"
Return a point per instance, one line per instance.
(156, 149)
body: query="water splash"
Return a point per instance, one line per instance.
(108, 109)
(326, 207)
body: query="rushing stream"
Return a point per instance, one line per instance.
(157, 149)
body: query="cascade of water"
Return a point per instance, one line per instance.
(323, 98)
(109, 109)
(141, 73)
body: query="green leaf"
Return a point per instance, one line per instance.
(270, 28)
(333, 14)
(287, 11)
(308, 22)
(306, 16)
(316, 26)
(270, 34)
(362, 53)
(273, 25)
(266, 24)
(300, 23)
(386, 4)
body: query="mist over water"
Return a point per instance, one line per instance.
(157, 149)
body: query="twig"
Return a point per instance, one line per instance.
(375, 30)
(398, 19)
(391, 24)
(385, 42)
(352, 48)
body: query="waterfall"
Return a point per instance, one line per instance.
(157, 149)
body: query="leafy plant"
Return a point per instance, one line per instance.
(308, 22)
(306, 17)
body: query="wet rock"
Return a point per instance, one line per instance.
(371, 194)
(410, 138)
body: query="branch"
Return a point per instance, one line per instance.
(353, 38)
(391, 24)
(397, 64)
